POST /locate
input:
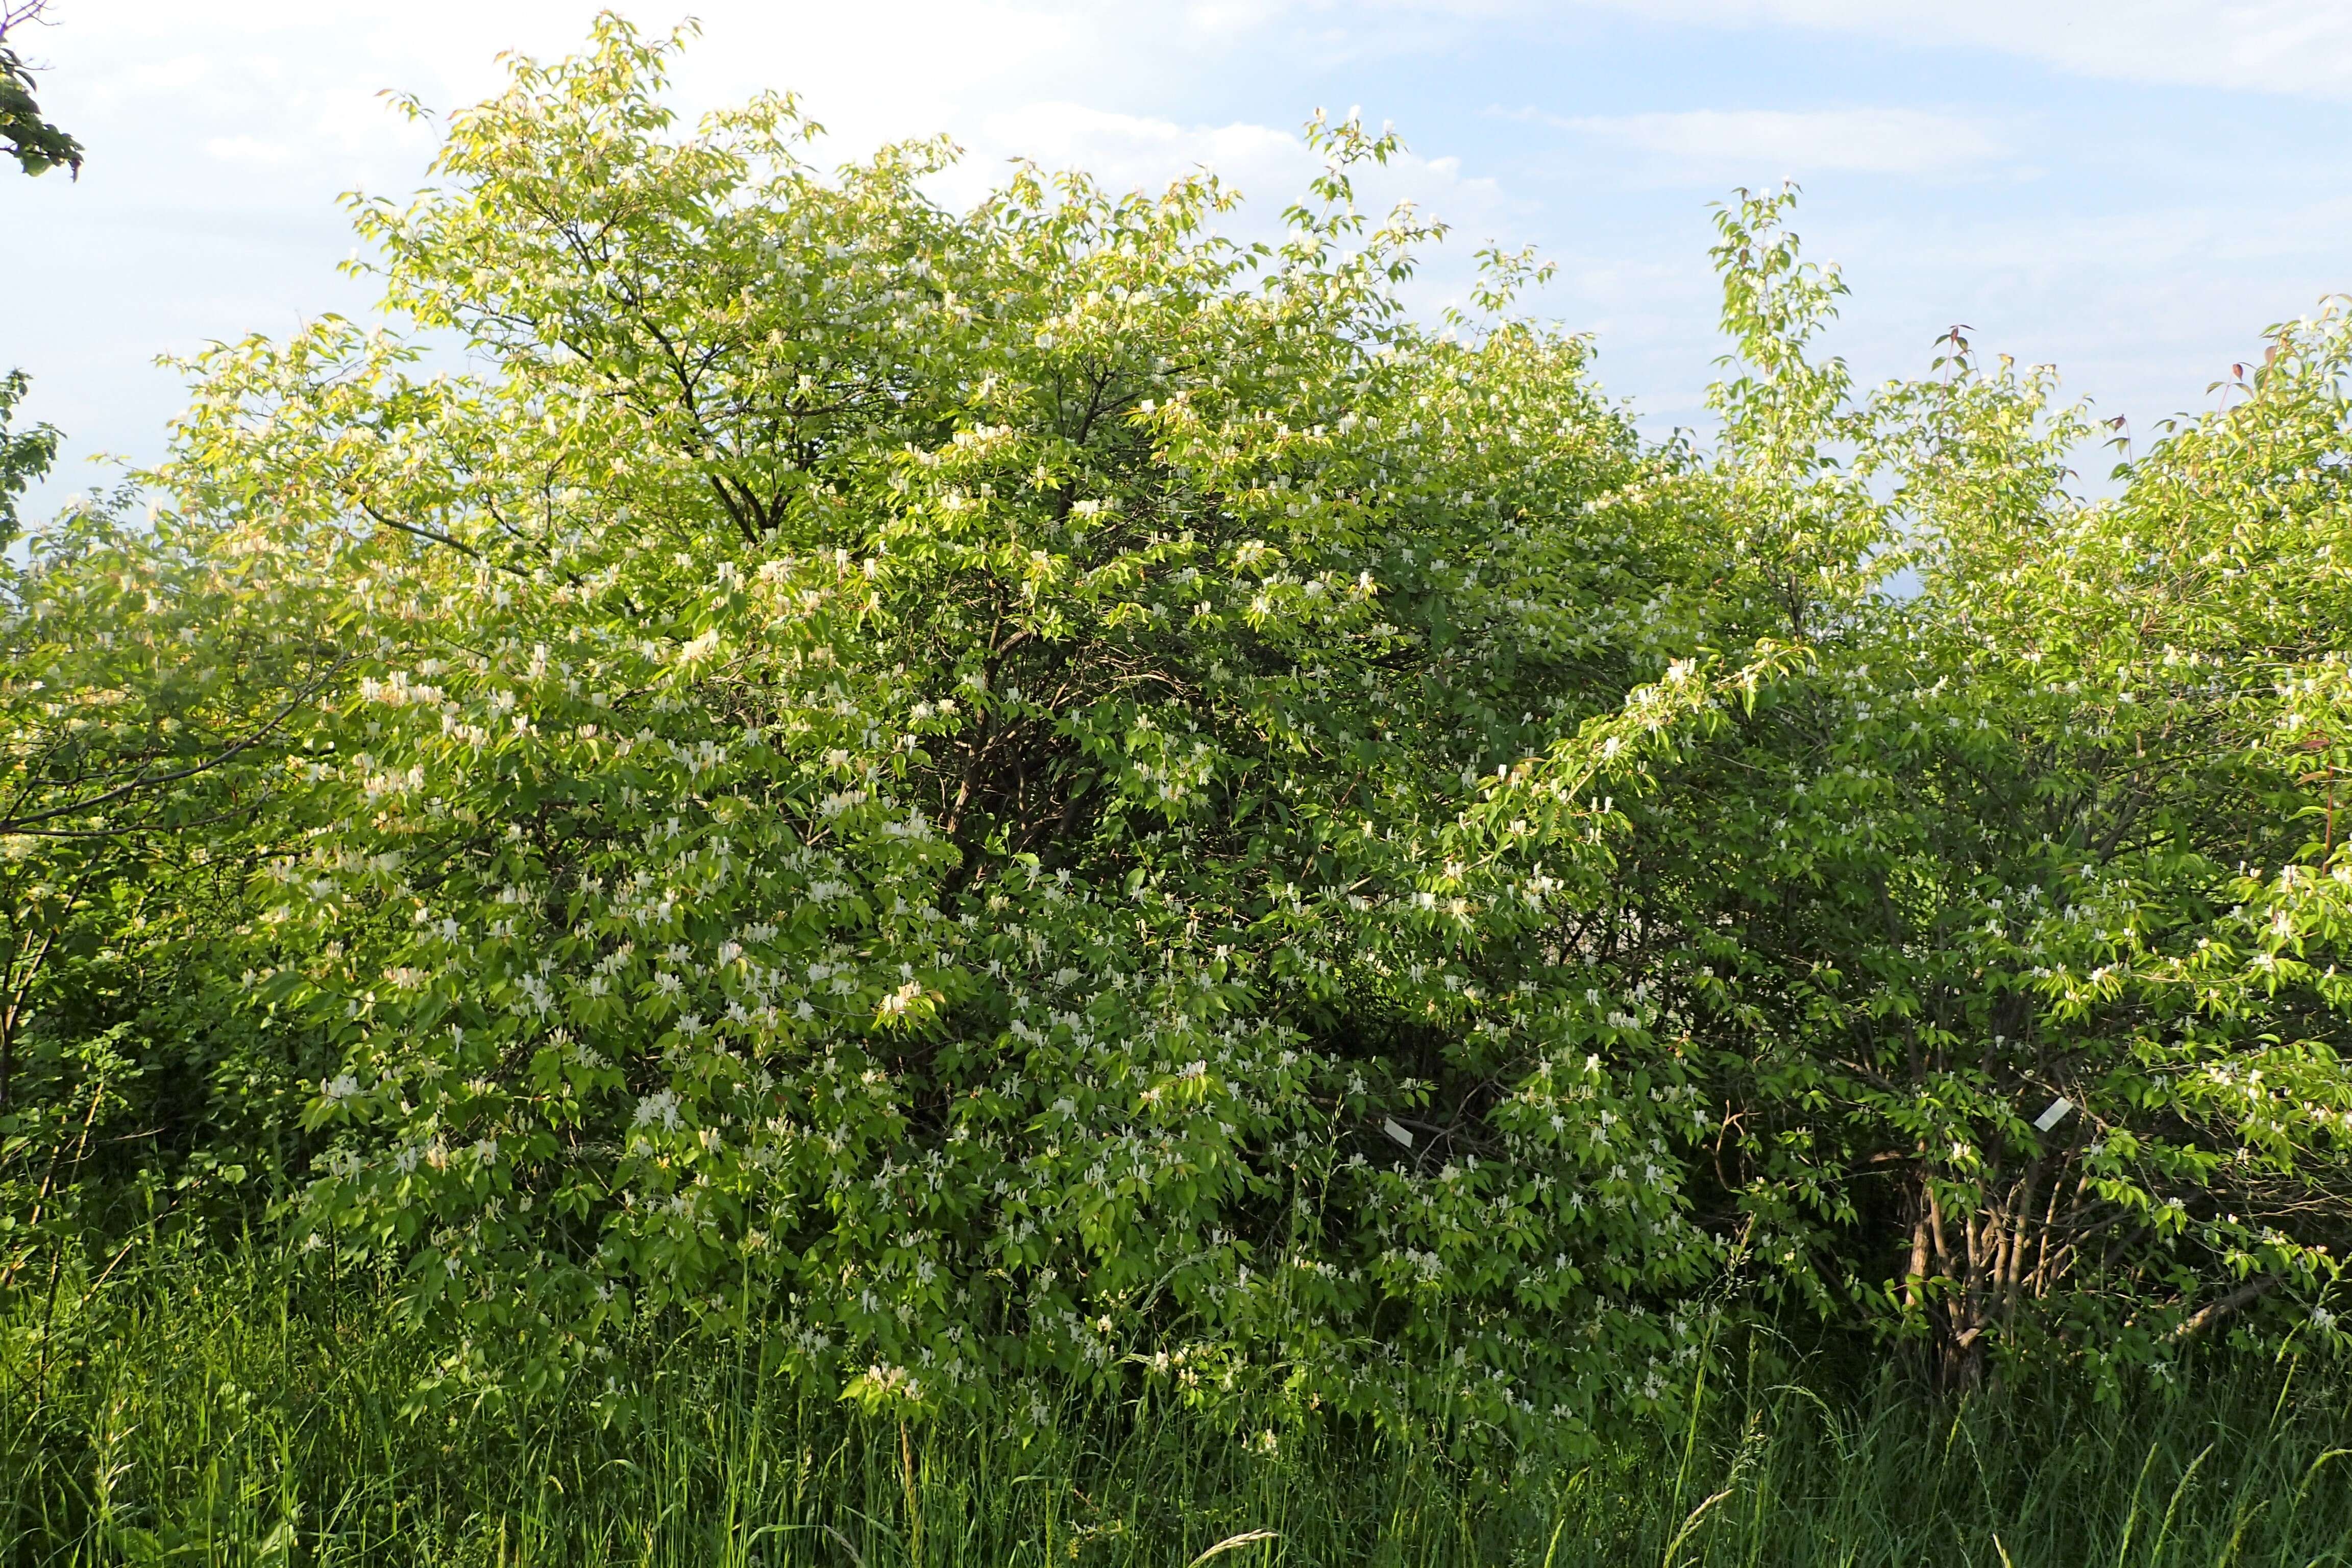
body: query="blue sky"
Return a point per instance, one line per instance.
(2131, 189)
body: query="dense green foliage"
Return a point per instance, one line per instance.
(25, 454)
(1044, 804)
(211, 1410)
(834, 829)
(37, 146)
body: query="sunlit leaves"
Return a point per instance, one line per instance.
(1043, 793)
(924, 786)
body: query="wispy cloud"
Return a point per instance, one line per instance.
(2302, 46)
(248, 150)
(1711, 143)
(2294, 47)
(1129, 149)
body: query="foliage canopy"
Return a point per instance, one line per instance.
(1043, 793)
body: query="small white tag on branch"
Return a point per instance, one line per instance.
(2054, 1115)
(1389, 1126)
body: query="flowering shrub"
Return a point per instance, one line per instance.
(927, 788)
(1041, 795)
(2023, 981)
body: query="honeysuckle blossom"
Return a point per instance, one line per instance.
(1355, 729)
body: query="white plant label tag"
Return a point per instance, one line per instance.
(1389, 1126)
(2054, 1115)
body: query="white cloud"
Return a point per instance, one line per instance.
(1139, 152)
(2260, 46)
(2302, 46)
(248, 150)
(1127, 150)
(1711, 141)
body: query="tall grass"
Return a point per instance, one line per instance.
(215, 1410)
